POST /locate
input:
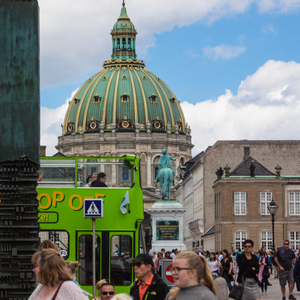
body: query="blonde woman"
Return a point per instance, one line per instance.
(192, 277)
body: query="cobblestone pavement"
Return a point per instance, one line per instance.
(274, 291)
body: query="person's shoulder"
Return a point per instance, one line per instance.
(70, 290)
(205, 292)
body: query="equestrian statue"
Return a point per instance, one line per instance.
(165, 174)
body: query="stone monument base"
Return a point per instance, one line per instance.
(167, 225)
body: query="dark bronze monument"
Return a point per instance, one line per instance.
(19, 145)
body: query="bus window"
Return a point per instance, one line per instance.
(118, 171)
(60, 238)
(54, 173)
(85, 273)
(120, 268)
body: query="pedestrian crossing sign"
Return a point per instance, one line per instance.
(93, 208)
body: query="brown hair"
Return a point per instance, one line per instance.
(47, 244)
(72, 265)
(199, 264)
(53, 269)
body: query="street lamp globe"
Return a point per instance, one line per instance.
(272, 207)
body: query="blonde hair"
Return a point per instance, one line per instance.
(199, 264)
(53, 269)
(72, 265)
(100, 283)
(121, 297)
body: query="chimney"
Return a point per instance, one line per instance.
(42, 150)
(246, 152)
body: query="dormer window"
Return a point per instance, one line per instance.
(153, 99)
(172, 100)
(124, 77)
(76, 101)
(93, 124)
(179, 125)
(125, 123)
(125, 98)
(144, 77)
(157, 124)
(97, 99)
(104, 78)
(70, 126)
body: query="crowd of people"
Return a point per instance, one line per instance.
(193, 274)
(254, 269)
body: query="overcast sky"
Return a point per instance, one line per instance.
(234, 64)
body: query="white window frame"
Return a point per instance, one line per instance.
(240, 237)
(265, 199)
(294, 239)
(294, 203)
(267, 240)
(240, 203)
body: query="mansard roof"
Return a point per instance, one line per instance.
(244, 168)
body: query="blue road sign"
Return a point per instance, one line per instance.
(93, 208)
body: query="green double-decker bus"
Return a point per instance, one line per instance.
(62, 190)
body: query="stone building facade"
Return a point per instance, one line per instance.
(241, 212)
(203, 168)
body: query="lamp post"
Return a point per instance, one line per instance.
(231, 243)
(272, 208)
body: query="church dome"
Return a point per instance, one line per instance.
(124, 95)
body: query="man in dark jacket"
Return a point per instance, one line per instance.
(148, 286)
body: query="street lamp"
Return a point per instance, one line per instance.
(272, 208)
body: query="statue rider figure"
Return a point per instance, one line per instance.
(165, 162)
(165, 174)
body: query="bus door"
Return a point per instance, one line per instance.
(85, 256)
(121, 248)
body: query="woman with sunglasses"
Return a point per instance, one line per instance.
(192, 277)
(248, 270)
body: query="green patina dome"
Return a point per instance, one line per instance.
(124, 95)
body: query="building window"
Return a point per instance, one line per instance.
(294, 239)
(125, 98)
(265, 199)
(294, 203)
(267, 240)
(217, 205)
(240, 237)
(240, 203)
(153, 99)
(124, 173)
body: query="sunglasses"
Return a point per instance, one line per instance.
(285, 243)
(247, 246)
(105, 293)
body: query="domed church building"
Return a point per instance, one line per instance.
(126, 109)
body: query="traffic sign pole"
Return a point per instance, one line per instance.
(94, 256)
(93, 209)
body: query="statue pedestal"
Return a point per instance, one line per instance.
(167, 225)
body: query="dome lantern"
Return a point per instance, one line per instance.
(123, 37)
